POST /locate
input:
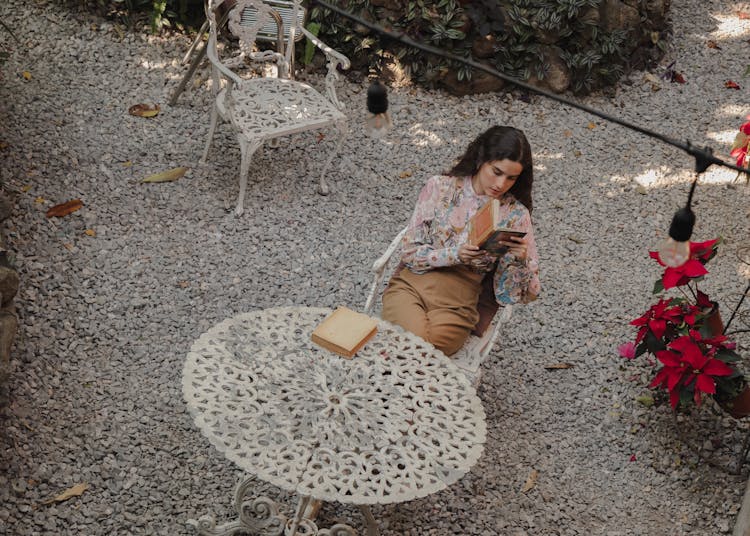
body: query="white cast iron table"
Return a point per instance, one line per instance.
(397, 422)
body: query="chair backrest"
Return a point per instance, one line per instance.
(258, 20)
(287, 10)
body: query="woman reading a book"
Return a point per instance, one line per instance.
(436, 294)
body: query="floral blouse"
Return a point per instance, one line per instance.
(439, 226)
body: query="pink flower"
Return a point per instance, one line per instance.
(627, 350)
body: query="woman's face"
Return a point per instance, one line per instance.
(496, 177)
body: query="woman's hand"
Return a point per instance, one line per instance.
(468, 254)
(517, 247)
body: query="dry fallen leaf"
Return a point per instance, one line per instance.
(567, 133)
(90, 232)
(63, 209)
(556, 366)
(144, 110)
(69, 493)
(404, 174)
(68, 246)
(653, 80)
(167, 176)
(26, 188)
(731, 85)
(591, 126)
(26, 75)
(678, 77)
(577, 153)
(39, 200)
(713, 44)
(645, 400)
(184, 284)
(127, 163)
(743, 15)
(321, 137)
(530, 481)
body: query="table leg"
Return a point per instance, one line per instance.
(261, 516)
(372, 525)
(255, 516)
(298, 515)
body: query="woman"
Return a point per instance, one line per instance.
(435, 296)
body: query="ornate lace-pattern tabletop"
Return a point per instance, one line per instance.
(397, 422)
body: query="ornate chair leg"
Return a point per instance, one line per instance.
(193, 46)
(372, 525)
(342, 129)
(211, 130)
(188, 75)
(247, 148)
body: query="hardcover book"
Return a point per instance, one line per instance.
(345, 331)
(486, 232)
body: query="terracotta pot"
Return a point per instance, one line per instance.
(738, 407)
(713, 321)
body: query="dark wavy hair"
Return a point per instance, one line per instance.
(499, 143)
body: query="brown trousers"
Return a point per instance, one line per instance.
(440, 306)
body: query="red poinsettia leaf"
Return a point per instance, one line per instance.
(655, 255)
(673, 378)
(716, 367)
(678, 77)
(693, 268)
(731, 84)
(705, 384)
(673, 278)
(701, 248)
(641, 320)
(660, 379)
(704, 251)
(703, 300)
(657, 327)
(745, 128)
(641, 333)
(670, 359)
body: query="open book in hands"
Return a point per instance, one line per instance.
(486, 232)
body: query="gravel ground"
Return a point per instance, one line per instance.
(107, 320)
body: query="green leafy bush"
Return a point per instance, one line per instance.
(522, 38)
(160, 13)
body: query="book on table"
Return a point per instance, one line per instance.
(345, 331)
(486, 229)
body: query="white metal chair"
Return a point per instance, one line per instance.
(479, 344)
(270, 32)
(261, 109)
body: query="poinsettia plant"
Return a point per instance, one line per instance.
(693, 358)
(741, 145)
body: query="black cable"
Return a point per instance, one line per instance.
(703, 156)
